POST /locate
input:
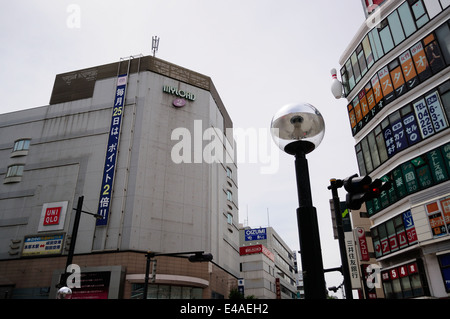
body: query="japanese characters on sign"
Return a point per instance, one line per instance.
(439, 217)
(43, 245)
(415, 175)
(409, 69)
(362, 243)
(111, 151)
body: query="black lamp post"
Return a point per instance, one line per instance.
(65, 292)
(298, 129)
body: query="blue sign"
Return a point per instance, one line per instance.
(111, 151)
(411, 129)
(408, 220)
(255, 234)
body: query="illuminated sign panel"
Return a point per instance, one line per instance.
(43, 245)
(53, 216)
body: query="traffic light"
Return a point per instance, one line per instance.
(362, 189)
(356, 188)
(376, 188)
(199, 257)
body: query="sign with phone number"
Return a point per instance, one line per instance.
(111, 151)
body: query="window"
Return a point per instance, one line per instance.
(420, 15)
(21, 145)
(386, 38)
(230, 219)
(396, 27)
(407, 20)
(443, 36)
(229, 195)
(444, 263)
(229, 172)
(399, 25)
(405, 281)
(15, 171)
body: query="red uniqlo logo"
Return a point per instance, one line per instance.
(52, 215)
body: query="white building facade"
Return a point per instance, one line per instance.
(396, 78)
(268, 265)
(135, 138)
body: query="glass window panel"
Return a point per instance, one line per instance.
(344, 77)
(366, 154)
(376, 44)
(175, 292)
(382, 151)
(351, 78)
(396, 27)
(422, 21)
(388, 292)
(373, 149)
(407, 20)
(362, 60)
(434, 56)
(386, 39)
(443, 37)
(355, 66)
(445, 98)
(368, 52)
(418, 9)
(406, 287)
(416, 285)
(361, 165)
(397, 289)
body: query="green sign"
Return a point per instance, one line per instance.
(437, 166)
(410, 178)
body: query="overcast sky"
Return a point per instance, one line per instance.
(260, 55)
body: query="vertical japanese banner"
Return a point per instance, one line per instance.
(111, 151)
(355, 278)
(362, 243)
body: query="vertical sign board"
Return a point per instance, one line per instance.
(352, 263)
(111, 151)
(362, 243)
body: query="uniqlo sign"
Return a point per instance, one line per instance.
(52, 216)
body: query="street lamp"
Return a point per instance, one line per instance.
(65, 292)
(298, 129)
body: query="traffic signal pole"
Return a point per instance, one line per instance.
(334, 185)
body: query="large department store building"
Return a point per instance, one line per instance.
(130, 138)
(395, 76)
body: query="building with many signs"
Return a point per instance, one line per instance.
(395, 77)
(268, 266)
(147, 145)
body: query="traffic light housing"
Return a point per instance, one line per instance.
(199, 257)
(356, 188)
(361, 189)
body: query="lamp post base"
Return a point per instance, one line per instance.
(311, 253)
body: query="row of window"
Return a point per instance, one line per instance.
(417, 121)
(16, 170)
(414, 66)
(398, 26)
(166, 292)
(405, 281)
(422, 172)
(393, 235)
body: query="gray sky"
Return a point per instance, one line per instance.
(260, 55)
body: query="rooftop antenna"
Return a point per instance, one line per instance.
(155, 44)
(268, 219)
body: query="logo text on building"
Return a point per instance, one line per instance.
(178, 92)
